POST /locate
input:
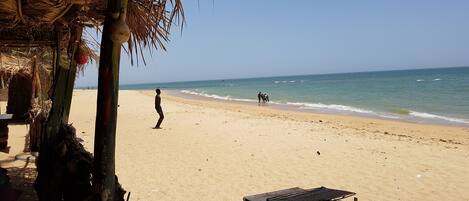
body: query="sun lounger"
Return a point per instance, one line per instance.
(299, 194)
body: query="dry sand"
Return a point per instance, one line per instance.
(213, 151)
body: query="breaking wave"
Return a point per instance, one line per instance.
(438, 117)
(286, 81)
(216, 96)
(331, 107)
(398, 114)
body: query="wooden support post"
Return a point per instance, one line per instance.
(70, 83)
(49, 182)
(33, 78)
(63, 87)
(106, 112)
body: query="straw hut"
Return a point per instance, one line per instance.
(20, 74)
(52, 30)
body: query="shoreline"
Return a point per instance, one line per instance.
(379, 127)
(293, 108)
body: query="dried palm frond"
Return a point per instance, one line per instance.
(11, 64)
(9, 16)
(44, 11)
(150, 22)
(85, 45)
(14, 61)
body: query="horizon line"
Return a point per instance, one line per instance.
(242, 78)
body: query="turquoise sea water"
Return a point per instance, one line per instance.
(428, 95)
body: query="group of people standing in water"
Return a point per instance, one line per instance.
(263, 96)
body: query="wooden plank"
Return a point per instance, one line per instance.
(6, 117)
(22, 44)
(24, 37)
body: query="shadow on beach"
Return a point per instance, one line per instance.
(23, 179)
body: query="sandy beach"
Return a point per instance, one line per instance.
(213, 150)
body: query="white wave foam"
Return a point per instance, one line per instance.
(437, 79)
(438, 117)
(285, 81)
(216, 96)
(335, 107)
(420, 80)
(389, 116)
(331, 107)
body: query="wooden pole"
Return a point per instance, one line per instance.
(71, 73)
(1, 66)
(33, 79)
(49, 182)
(106, 112)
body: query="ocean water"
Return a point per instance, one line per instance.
(429, 95)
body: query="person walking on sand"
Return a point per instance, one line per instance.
(158, 108)
(259, 96)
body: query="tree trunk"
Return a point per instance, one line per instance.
(106, 112)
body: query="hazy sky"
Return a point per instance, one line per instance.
(255, 38)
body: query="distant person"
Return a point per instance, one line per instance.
(158, 108)
(259, 96)
(267, 97)
(264, 99)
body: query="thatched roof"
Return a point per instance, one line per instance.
(10, 64)
(14, 61)
(32, 22)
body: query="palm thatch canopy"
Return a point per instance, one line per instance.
(33, 23)
(51, 31)
(14, 60)
(10, 65)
